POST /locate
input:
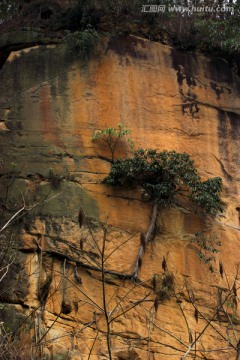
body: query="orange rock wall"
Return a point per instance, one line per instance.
(51, 103)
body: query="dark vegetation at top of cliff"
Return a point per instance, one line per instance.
(214, 29)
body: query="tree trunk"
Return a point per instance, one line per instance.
(145, 239)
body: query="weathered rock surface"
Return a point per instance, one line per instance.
(50, 104)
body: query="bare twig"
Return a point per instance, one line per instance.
(6, 271)
(104, 295)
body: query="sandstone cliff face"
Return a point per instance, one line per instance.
(51, 102)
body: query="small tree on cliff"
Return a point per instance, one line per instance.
(165, 177)
(112, 136)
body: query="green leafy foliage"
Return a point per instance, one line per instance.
(210, 29)
(206, 194)
(112, 136)
(84, 42)
(214, 30)
(207, 248)
(165, 176)
(55, 179)
(218, 34)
